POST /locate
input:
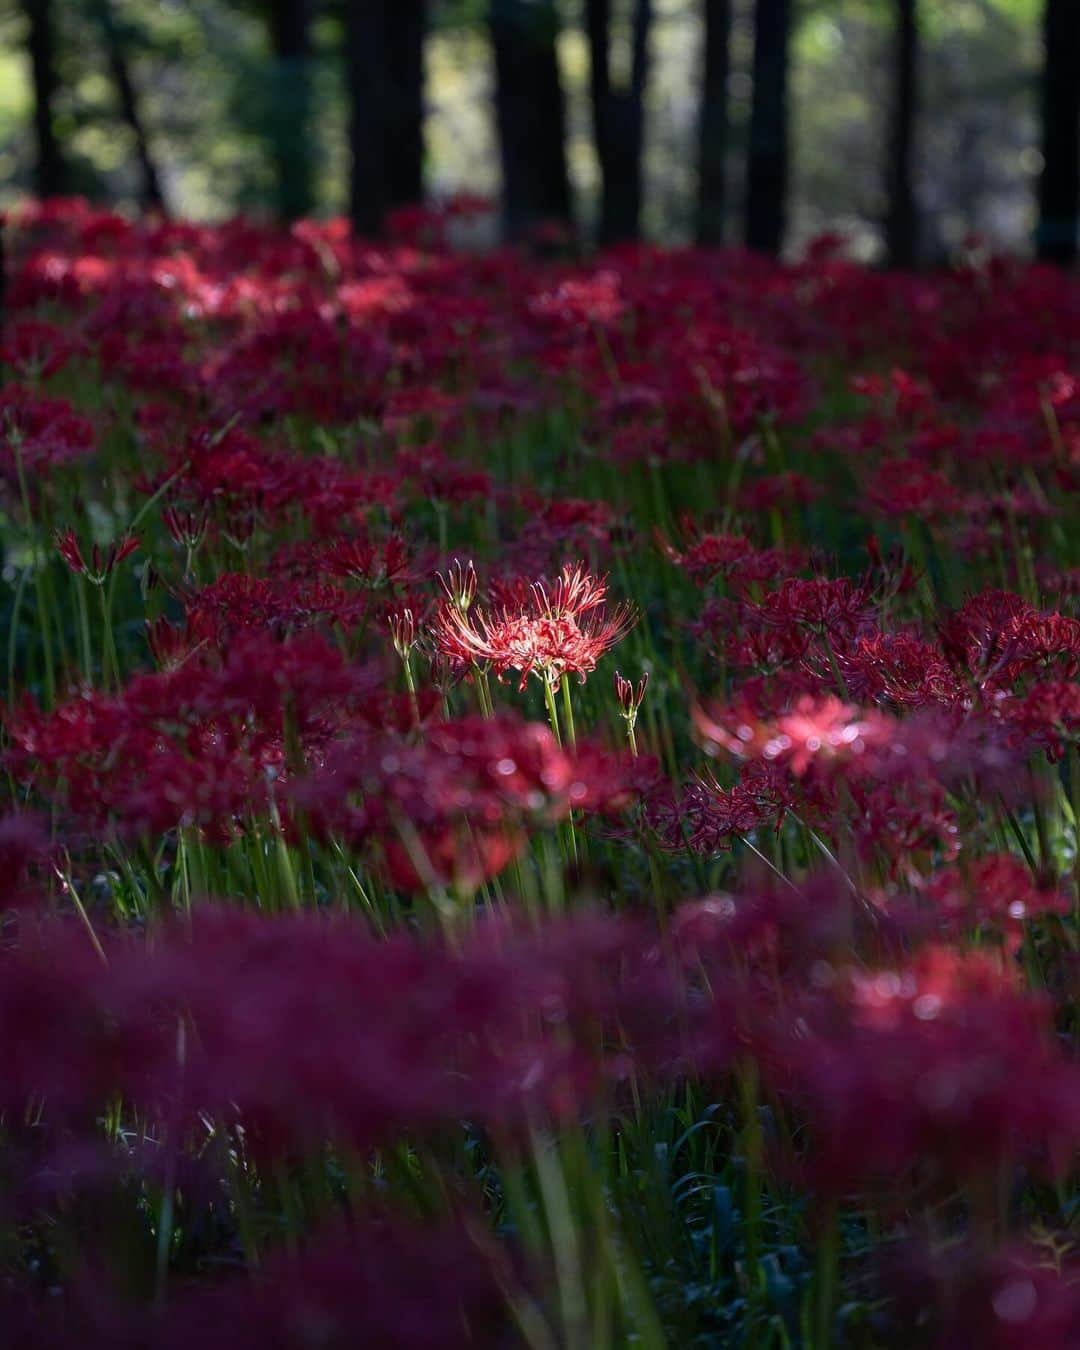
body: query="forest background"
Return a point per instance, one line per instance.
(909, 126)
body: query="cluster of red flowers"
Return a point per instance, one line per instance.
(455, 809)
(397, 1034)
(318, 915)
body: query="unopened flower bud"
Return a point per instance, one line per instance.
(403, 631)
(629, 697)
(459, 584)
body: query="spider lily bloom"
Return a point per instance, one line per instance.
(373, 563)
(564, 630)
(101, 565)
(814, 730)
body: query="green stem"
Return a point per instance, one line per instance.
(483, 691)
(242, 1205)
(84, 629)
(563, 1235)
(834, 665)
(69, 886)
(13, 632)
(410, 684)
(109, 666)
(825, 1284)
(39, 564)
(165, 1224)
(552, 710)
(752, 1158)
(1021, 839)
(568, 709)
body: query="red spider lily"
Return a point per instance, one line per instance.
(379, 1281)
(564, 631)
(732, 556)
(778, 489)
(821, 737)
(36, 349)
(979, 638)
(186, 528)
(594, 300)
(907, 487)
(832, 605)
(905, 824)
(40, 434)
(707, 818)
(774, 939)
(303, 1029)
(454, 809)
(101, 566)
(1049, 713)
(23, 843)
(1038, 639)
(376, 563)
(278, 604)
(434, 476)
(195, 744)
(813, 731)
(1020, 1297)
(172, 645)
(942, 1069)
(996, 892)
(901, 669)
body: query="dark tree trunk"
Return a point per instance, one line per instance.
(767, 155)
(405, 111)
(1059, 185)
(51, 170)
(901, 221)
(618, 120)
(713, 124)
(151, 193)
(384, 55)
(366, 77)
(289, 98)
(530, 114)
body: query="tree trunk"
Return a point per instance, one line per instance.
(51, 169)
(151, 194)
(713, 124)
(289, 96)
(384, 57)
(618, 120)
(767, 156)
(901, 222)
(405, 111)
(1059, 185)
(531, 115)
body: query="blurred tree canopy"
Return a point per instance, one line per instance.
(232, 108)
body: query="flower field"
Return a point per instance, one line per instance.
(541, 797)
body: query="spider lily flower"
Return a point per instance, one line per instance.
(564, 630)
(100, 566)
